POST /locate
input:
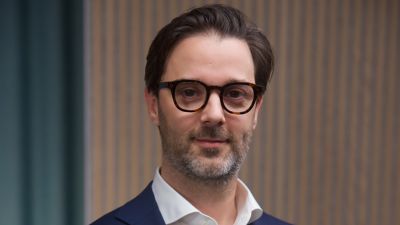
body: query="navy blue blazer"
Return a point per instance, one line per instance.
(143, 210)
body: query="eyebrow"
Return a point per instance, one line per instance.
(236, 80)
(232, 80)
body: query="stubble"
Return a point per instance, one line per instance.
(178, 150)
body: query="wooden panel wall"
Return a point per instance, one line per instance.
(326, 150)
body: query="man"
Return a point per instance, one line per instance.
(205, 76)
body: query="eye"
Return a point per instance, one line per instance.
(234, 93)
(237, 92)
(189, 92)
(237, 95)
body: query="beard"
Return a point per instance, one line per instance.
(214, 166)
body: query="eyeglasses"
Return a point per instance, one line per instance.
(193, 95)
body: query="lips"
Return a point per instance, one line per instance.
(210, 137)
(210, 143)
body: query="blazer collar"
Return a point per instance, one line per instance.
(142, 210)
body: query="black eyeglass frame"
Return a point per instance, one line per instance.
(257, 89)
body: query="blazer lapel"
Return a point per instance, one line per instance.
(142, 210)
(266, 219)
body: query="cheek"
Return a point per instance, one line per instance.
(240, 123)
(182, 124)
(178, 122)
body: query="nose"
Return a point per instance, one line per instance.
(213, 113)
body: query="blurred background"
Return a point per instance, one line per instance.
(41, 112)
(76, 142)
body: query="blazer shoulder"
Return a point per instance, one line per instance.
(108, 219)
(141, 210)
(267, 219)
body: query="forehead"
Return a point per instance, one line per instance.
(210, 58)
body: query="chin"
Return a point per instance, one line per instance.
(214, 167)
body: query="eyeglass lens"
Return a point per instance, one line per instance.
(193, 95)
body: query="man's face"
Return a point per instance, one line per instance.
(209, 144)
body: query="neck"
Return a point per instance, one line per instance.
(213, 198)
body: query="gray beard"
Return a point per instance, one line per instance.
(177, 151)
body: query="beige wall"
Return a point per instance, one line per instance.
(326, 150)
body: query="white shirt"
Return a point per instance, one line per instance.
(176, 210)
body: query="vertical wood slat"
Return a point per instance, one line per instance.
(134, 55)
(342, 120)
(364, 168)
(305, 113)
(122, 111)
(271, 113)
(108, 103)
(377, 141)
(325, 149)
(294, 49)
(331, 112)
(352, 103)
(392, 161)
(95, 106)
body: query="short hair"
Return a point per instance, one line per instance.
(223, 20)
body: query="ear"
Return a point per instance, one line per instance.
(257, 110)
(152, 106)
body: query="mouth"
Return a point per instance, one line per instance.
(210, 142)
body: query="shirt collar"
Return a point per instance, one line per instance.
(174, 206)
(248, 208)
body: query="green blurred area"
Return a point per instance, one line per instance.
(41, 112)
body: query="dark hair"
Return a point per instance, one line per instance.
(216, 18)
